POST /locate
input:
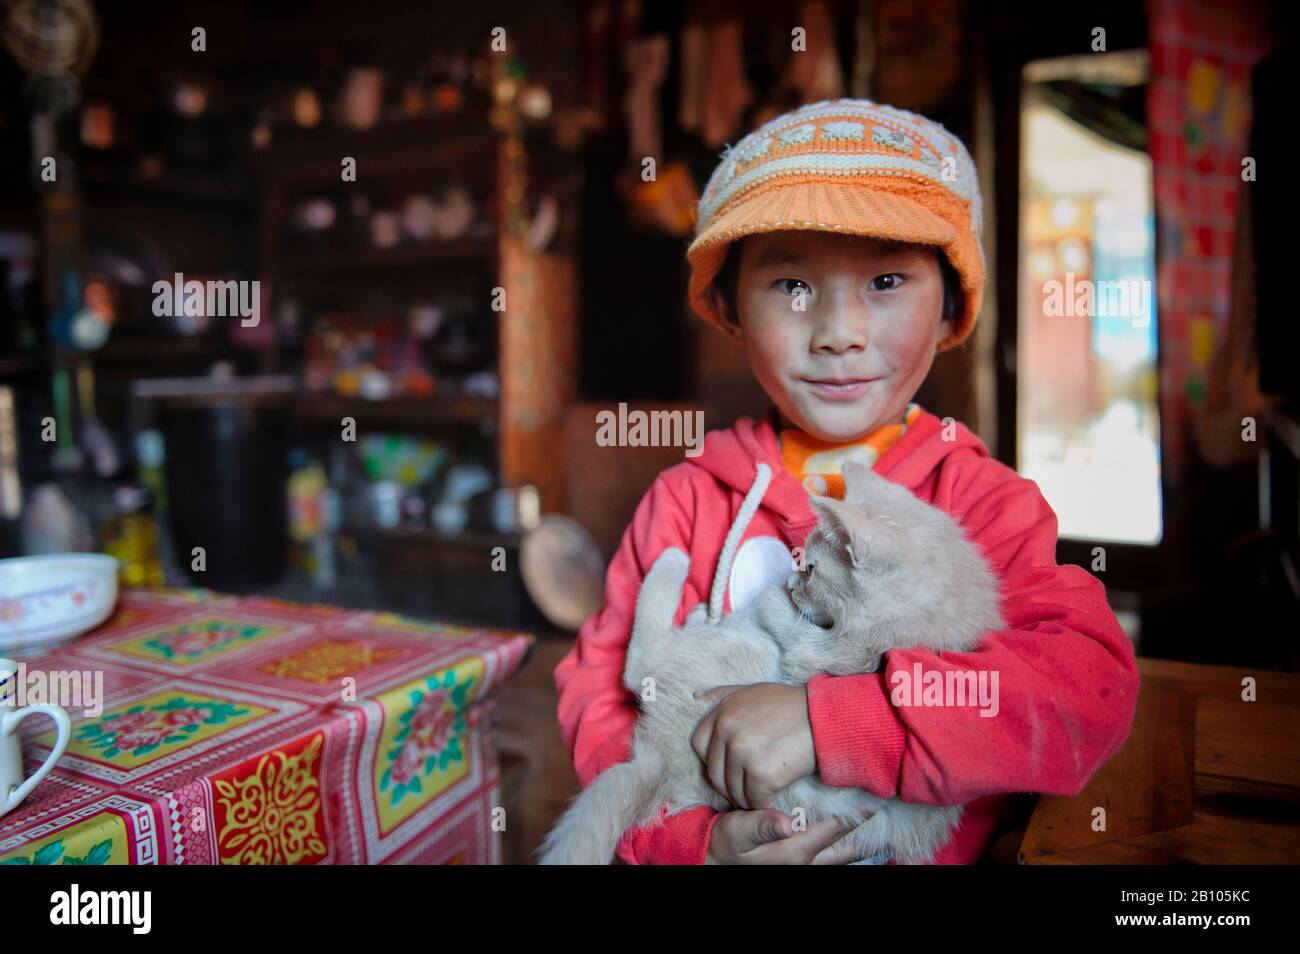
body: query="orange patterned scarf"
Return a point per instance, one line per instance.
(817, 463)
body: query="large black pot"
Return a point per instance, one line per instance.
(226, 476)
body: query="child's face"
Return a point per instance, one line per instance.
(839, 330)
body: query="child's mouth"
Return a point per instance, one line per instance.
(839, 389)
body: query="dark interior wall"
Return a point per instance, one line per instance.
(634, 342)
(152, 37)
(633, 333)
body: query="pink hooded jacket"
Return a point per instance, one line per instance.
(1068, 680)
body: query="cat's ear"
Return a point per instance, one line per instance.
(877, 541)
(857, 477)
(844, 524)
(830, 512)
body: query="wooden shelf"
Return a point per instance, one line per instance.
(419, 152)
(428, 255)
(416, 413)
(103, 179)
(155, 351)
(468, 127)
(14, 365)
(394, 160)
(479, 540)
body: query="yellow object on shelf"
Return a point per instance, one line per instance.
(132, 536)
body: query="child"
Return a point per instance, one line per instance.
(841, 244)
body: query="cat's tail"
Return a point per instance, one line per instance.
(589, 831)
(914, 833)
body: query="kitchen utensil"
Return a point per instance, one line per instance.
(47, 600)
(13, 786)
(563, 571)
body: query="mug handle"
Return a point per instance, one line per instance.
(9, 724)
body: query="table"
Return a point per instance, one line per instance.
(1205, 777)
(252, 730)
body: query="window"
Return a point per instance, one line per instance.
(1088, 427)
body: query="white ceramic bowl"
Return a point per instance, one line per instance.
(47, 600)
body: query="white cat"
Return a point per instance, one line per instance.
(882, 570)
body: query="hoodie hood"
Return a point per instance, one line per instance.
(731, 456)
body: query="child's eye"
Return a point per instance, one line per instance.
(784, 283)
(887, 282)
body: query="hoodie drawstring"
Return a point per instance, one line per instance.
(753, 498)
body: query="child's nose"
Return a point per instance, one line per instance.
(840, 328)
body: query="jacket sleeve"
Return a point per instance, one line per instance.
(596, 713)
(1067, 677)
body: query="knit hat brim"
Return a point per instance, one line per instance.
(833, 206)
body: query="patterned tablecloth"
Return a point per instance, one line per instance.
(245, 731)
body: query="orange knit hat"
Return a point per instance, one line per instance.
(851, 166)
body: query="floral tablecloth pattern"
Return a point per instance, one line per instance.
(255, 731)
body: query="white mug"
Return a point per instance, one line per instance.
(13, 787)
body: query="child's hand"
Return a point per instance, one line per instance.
(755, 741)
(768, 838)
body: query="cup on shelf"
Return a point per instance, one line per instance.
(385, 229)
(362, 101)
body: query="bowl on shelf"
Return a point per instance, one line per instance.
(48, 600)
